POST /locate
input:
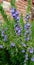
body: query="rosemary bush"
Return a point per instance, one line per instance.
(14, 49)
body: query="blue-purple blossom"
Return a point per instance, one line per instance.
(23, 51)
(32, 59)
(18, 29)
(26, 19)
(1, 46)
(28, 24)
(2, 33)
(13, 10)
(26, 57)
(31, 50)
(12, 44)
(15, 14)
(24, 45)
(27, 39)
(17, 18)
(27, 32)
(27, 35)
(19, 32)
(27, 27)
(27, 16)
(5, 38)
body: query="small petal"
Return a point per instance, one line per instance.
(24, 44)
(1, 46)
(31, 50)
(12, 44)
(5, 38)
(17, 13)
(13, 10)
(23, 51)
(32, 59)
(2, 33)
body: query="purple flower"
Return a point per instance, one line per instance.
(25, 26)
(2, 33)
(27, 32)
(32, 59)
(13, 10)
(5, 38)
(17, 18)
(12, 44)
(27, 39)
(14, 15)
(24, 45)
(1, 46)
(26, 19)
(18, 29)
(18, 32)
(28, 24)
(27, 35)
(26, 57)
(23, 51)
(31, 50)
(27, 16)
(17, 13)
